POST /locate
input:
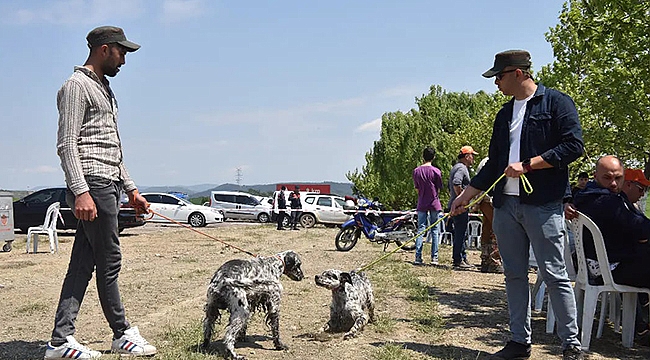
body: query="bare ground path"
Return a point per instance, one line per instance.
(166, 270)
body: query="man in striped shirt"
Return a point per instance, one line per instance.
(89, 147)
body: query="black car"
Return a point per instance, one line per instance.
(30, 211)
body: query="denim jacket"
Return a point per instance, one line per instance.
(551, 129)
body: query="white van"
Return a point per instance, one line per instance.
(240, 206)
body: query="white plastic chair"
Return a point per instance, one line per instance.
(587, 295)
(474, 229)
(48, 228)
(446, 237)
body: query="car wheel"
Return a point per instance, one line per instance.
(6, 247)
(196, 219)
(263, 217)
(307, 220)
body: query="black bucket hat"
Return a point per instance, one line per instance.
(109, 35)
(517, 58)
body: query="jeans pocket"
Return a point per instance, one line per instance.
(98, 183)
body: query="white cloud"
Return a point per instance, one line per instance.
(73, 12)
(180, 10)
(371, 126)
(43, 169)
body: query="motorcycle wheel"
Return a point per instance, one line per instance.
(412, 231)
(347, 238)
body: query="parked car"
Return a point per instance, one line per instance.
(324, 209)
(30, 211)
(181, 210)
(240, 206)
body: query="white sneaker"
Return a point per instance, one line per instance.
(70, 350)
(133, 344)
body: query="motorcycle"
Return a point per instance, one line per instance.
(380, 227)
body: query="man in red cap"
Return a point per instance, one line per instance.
(458, 181)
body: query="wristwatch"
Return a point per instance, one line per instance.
(526, 165)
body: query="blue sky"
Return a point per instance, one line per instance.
(283, 90)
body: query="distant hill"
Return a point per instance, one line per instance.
(335, 188)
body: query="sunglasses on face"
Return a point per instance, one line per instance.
(500, 75)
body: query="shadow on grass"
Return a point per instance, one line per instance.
(485, 306)
(22, 350)
(440, 351)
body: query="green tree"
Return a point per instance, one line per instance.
(603, 63)
(443, 120)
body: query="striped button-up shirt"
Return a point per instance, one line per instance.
(88, 142)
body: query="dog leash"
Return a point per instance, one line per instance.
(200, 232)
(528, 188)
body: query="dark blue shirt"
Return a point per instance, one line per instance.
(551, 129)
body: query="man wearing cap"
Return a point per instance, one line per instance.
(89, 147)
(537, 133)
(458, 180)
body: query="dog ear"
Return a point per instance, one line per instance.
(345, 277)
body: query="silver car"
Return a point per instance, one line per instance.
(240, 206)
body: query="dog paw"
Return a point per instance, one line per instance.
(349, 336)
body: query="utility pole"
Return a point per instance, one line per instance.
(238, 176)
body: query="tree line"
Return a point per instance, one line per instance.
(602, 60)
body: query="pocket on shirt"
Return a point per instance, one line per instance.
(540, 125)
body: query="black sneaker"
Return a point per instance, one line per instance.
(463, 265)
(513, 351)
(572, 353)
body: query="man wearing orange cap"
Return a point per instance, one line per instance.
(458, 181)
(635, 185)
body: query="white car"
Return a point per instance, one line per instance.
(181, 210)
(322, 209)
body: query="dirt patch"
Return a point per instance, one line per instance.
(166, 270)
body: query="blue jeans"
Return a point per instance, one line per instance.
(425, 219)
(517, 227)
(460, 232)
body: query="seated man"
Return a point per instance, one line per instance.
(624, 228)
(608, 201)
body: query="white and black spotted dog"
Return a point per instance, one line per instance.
(244, 286)
(351, 298)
